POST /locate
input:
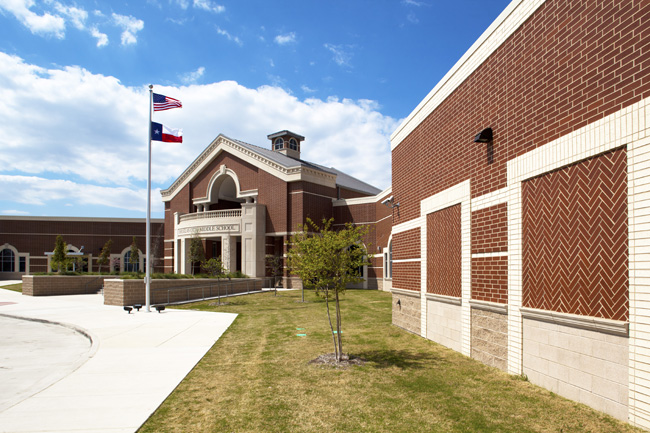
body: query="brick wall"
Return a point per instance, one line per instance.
(490, 279)
(570, 64)
(130, 292)
(56, 285)
(406, 245)
(35, 236)
(490, 229)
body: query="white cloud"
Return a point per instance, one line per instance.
(412, 18)
(39, 191)
(193, 77)
(13, 212)
(341, 55)
(413, 3)
(307, 89)
(184, 4)
(76, 15)
(46, 24)
(289, 38)
(130, 26)
(230, 37)
(93, 150)
(207, 5)
(102, 38)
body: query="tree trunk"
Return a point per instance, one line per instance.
(338, 327)
(329, 317)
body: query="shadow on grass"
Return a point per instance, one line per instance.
(399, 358)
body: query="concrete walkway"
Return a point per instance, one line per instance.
(99, 368)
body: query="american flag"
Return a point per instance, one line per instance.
(162, 103)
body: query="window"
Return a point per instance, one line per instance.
(128, 266)
(21, 264)
(357, 271)
(293, 144)
(390, 260)
(7, 261)
(278, 144)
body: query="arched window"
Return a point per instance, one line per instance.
(278, 144)
(7, 261)
(128, 266)
(293, 144)
(357, 271)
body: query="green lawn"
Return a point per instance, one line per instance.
(257, 378)
(15, 287)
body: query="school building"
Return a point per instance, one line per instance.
(523, 180)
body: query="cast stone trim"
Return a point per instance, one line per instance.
(444, 299)
(405, 292)
(489, 306)
(615, 327)
(224, 144)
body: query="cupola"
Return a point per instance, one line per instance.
(286, 143)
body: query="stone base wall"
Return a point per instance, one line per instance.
(406, 310)
(444, 323)
(11, 275)
(587, 366)
(55, 285)
(490, 338)
(130, 292)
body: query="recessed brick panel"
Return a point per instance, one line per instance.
(490, 279)
(575, 240)
(444, 252)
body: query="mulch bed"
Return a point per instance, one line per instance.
(329, 359)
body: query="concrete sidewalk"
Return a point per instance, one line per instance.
(128, 366)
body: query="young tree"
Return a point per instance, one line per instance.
(213, 266)
(105, 255)
(59, 258)
(274, 264)
(197, 254)
(134, 259)
(327, 261)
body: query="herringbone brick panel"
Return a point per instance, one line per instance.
(444, 252)
(575, 242)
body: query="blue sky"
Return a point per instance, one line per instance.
(74, 77)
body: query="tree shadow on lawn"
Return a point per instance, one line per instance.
(403, 359)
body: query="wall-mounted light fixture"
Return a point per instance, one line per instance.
(390, 202)
(484, 136)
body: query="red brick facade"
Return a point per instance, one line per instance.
(490, 229)
(570, 64)
(34, 236)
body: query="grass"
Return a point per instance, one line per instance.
(257, 378)
(15, 287)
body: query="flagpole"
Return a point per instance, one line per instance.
(148, 263)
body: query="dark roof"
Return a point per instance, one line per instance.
(283, 133)
(342, 179)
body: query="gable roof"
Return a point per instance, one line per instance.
(285, 167)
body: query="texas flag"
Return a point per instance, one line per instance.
(159, 132)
